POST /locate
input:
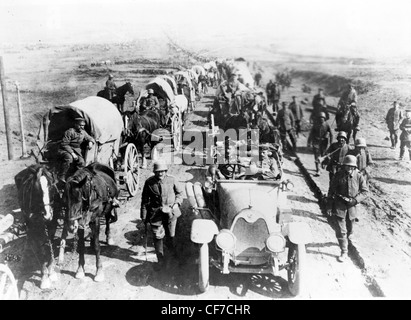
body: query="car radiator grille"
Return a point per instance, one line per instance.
(250, 245)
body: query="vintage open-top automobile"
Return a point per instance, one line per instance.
(243, 222)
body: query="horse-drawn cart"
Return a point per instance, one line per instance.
(104, 123)
(172, 112)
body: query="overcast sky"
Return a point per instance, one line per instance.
(354, 27)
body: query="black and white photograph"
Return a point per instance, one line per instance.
(205, 154)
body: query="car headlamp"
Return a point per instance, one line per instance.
(288, 185)
(226, 240)
(275, 243)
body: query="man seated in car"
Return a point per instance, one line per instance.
(268, 167)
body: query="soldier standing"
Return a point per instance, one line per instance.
(320, 137)
(393, 119)
(316, 100)
(276, 97)
(297, 111)
(347, 189)
(364, 159)
(285, 120)
(160, 208)
(269, 89)
(320, 107)
(405, 136)
(335, 154)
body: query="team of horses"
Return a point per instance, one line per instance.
(83, 202)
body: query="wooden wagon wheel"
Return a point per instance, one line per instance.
(131, 169)
(176, 131)
(8, 284)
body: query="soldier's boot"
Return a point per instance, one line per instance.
(159, 248)
(344, 250)
(402, 151)
(171, 254)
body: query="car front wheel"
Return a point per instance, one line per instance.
(296, 269)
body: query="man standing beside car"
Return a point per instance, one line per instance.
(160, 208)
(347, 189)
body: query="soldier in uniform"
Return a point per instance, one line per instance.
(160, 208)
(285, 120)
(335, 154)
(320, 137)
(269, 89)
(111, 87)
(297, 111)
(347, 189)
(316, 99)
(70, 149)
(276, 97)
(364, 159)
(348, 97)
(320, 108)
(150, 102)
(405, 136)
(393, 119)
(231, 90)
(270, 168)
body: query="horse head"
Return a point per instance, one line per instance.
(36, 192)
(130, 88)
(78, 193)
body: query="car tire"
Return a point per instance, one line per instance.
(296, 271)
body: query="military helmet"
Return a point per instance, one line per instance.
(350, 161)
(322, 115)
(150, 91)
(360, 142)
(110, 76)
(80, 120)
(160, 166)
(342, 134)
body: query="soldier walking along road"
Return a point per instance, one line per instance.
(393, 120)
(364, 159)
(285, 121)
(347, 189)
(316, 101)
(297, 111)
(276, 97)
(160, 208)
(320, 137)
(405, 136)
(335, 154)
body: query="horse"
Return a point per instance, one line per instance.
(139, 129)
(119, 98)
(42, 204)
(88, 195)
(181, 102)
(345, 120)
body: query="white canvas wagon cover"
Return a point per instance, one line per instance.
(103, 120)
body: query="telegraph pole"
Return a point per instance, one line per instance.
(6, 111)
(23, 141)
